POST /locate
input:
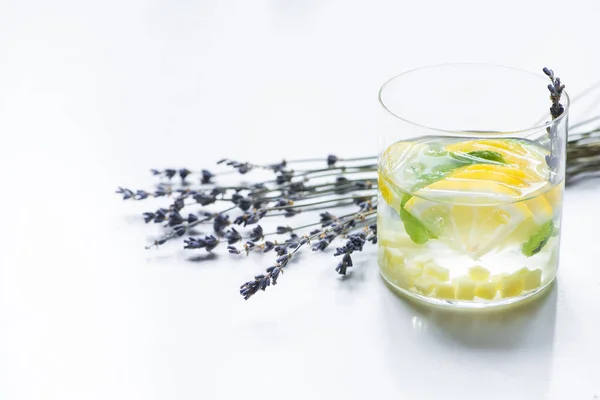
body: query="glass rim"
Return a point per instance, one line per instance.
(566, 99)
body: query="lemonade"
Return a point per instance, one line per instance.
(468, 221)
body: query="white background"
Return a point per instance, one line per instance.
(93, 94)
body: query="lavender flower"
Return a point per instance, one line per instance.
(233, 236)
(206, 176)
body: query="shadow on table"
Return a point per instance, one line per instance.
(530, 323)
(506, 351)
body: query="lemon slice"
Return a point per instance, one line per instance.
(526, 167)
(472, 228)
(397, 154)
(519, 175)
(389, 195)
(394, 156)
(513, 152)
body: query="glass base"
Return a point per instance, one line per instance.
(465, 304)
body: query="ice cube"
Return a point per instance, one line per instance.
(532, 279)
(465, 288)
(479, 273)
(511, 285)
(445, 291)
(393, 257)
(439, 272)
(485, 290)
(425, 284)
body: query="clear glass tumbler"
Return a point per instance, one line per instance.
(471, 181)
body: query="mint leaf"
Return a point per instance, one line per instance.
(479, 157)
(406, 197)
(538, 240)
(414, 227)
(488, 155)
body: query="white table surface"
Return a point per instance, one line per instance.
(93, 94)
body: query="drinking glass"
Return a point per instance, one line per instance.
(471, 179)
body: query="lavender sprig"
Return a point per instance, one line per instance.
(556, 89)
(556, 109)
(326, 236)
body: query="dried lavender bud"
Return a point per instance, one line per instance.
(331, 160)
(179, 230)
(211, 242)
(291, 213)
(236, 198)
(259, 189)
(141, 195)
(363, 185)
(183, 173)
(257, 233)
(221, 221)
(217, 191)
(359, 199)
(373, 234)
(282, 260)
(280, 250)
(160, 192)
(208, 243)
(293, 242)
(337, 228)
(279, 166)
(268, 246)
(321, 245)
(178, 204)
(263, 282)
(127, 194)
(282, 203)
(160, 215)
(242, 168)
(204, 199)
(258, 203)
(365, 206)
(233, 236)
(148, 216)
(284, 177)
(297, 187)
(344, 264)
(244, 204)
(155, 172)
(275, 274)
(241, 219)
(170, 173)
(254, 217)
(191, 243)
(281, 230)
(326, 219)
(175, 218)
(233, 250)
(192, 218)
(206, 176)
